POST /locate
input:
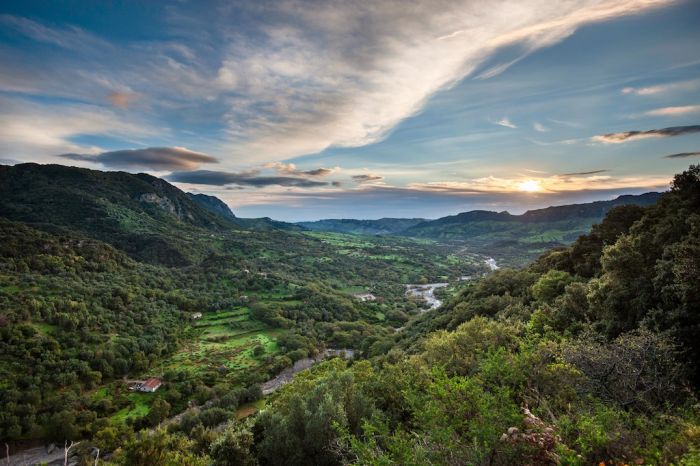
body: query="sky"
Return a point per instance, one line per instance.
(306, 109)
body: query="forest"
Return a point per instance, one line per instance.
(587, 355)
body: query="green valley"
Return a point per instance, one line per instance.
(585, 355)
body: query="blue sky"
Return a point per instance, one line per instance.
(304, 109)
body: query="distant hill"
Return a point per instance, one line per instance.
(512, 239)
(478, 222)
(383, 226)
(145, 216)
(517, 239)
(213, 204)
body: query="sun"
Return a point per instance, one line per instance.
(529, 186)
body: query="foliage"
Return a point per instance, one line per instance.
(587, 356)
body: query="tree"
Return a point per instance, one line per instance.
(233, 447)
(160, 449)
(550, 285)
(158, 412)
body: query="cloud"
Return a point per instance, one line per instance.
(71, 37)
(663, 88)
(367, 178)
(571, 182)
(617, 138)
(302, 75)
(248, 178)
(593, 172)
(37, 131)
(121, 99)
(674, 111)
(683, 155)
(504, 122)
(291, 169)
(569, 124)
(150, 158)
(540, 127)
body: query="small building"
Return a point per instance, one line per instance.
(365, 297)
(150, 385)
(196, 315)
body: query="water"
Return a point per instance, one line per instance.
(491, 262)
(427, 292)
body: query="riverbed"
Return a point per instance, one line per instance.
(491, 262)
(426, 292)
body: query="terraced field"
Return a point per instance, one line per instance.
(227, 341)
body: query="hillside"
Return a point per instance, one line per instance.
(83, 308)
(145, 216)
(213, 204)
(587, 355)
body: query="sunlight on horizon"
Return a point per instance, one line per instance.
(530, 186)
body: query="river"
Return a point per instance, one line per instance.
(491, 262)
(427, 292)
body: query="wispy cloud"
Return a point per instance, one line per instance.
(540, 127)
(618, 138)
(571, 182)
(593, 172)
(504, 122)
(121, 99)
(681, 155)
(39, 131)
(248, 178)
(302, 76)
(367, 178)
(291, 169)
(569, 124)
(674, 111)
(663, 88)
(69, 37)
(150, 158)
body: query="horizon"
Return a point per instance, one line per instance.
(593, 198)
(316, 110)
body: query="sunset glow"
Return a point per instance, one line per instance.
(529, 186)
(318, 109)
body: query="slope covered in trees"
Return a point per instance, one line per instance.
(79, 314)
(584, 357)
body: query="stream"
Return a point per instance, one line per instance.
(491, 262)
(427, 292)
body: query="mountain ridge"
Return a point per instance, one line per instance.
(147, 217)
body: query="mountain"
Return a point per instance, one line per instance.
(512, 239)
(482, 221)
(517, 239)
(147, 217)
(383, 226)
(213, 204)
